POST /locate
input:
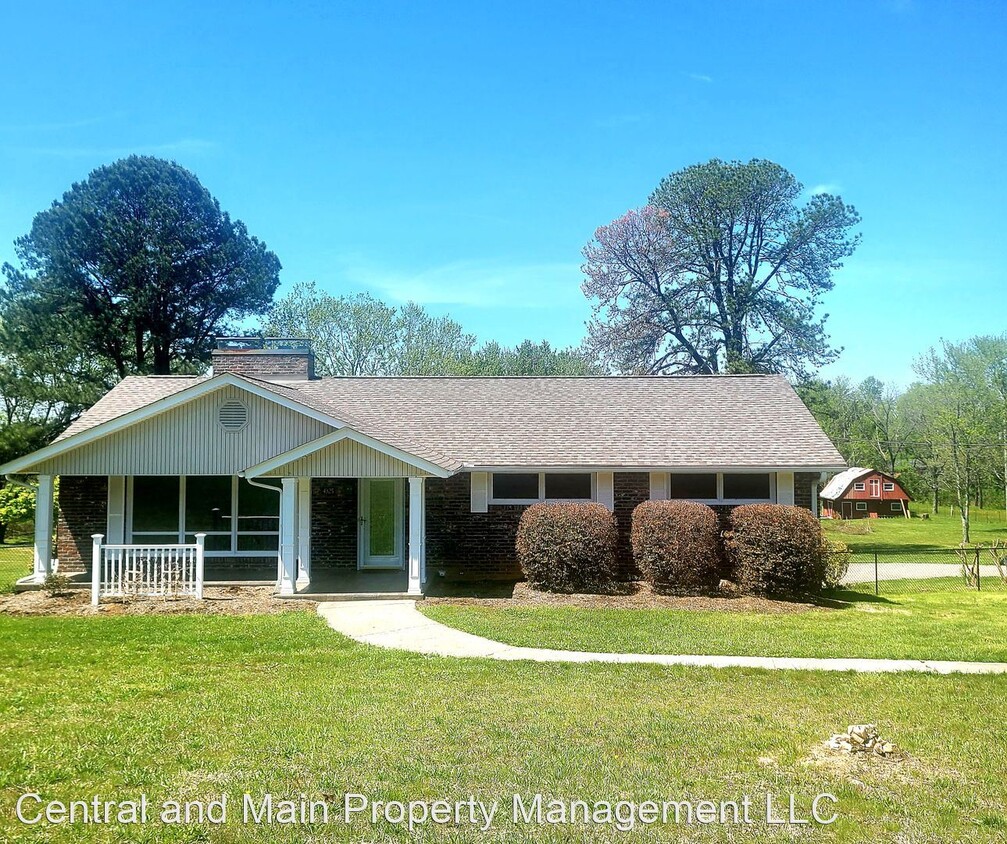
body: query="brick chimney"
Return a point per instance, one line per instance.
(267, 358)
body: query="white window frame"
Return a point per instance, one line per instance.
(541, 489)
(861, 506)
(860, 486)
(233, 533)
(888, 486)
(896, 506)
(719, 500)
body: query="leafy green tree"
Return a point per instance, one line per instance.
(723, 271)
(144, 266)
(360, 335)
(17, 506)
(530, 358)
(959, 414)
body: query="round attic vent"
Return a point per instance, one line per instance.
(232, 415)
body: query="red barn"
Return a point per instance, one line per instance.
(860, 493)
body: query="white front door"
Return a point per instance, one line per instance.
(380, 540)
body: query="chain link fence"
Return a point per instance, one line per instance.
(901, 570)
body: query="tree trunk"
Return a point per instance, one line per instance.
(936, 499)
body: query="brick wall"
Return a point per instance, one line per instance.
(334, 523)
(631, 489)
(804, 482)
(265, 364)
(480, 546)
(466, 545)
(83, 511)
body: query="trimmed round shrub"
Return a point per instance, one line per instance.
(567, 547)
(676, 544)
(775, 548)
(837, 562)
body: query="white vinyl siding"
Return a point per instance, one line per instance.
(188, 440)
(347, 459)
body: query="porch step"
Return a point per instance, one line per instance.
(324, 597)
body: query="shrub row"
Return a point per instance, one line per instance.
(678, 545)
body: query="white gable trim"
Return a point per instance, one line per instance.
(155, 408)
(344, 433)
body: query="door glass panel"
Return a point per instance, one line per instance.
(381, 526)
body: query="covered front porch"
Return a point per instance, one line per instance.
(305, 536)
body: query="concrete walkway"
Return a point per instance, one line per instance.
(399, 625)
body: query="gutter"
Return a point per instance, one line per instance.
(22, 484)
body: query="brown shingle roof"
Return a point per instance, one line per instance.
(743, 421)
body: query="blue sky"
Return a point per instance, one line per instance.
(461, 154)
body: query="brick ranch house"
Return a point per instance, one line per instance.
(860, 493)
(384, 484)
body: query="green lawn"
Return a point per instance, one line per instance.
(192, 707)
(941, 531)
(937, 625)
(15, 563)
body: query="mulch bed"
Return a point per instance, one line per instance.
(626, 596)
(225, 600)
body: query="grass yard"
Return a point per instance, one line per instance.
(940, 531)
(192, 707)
(15, 563)
(938, 625)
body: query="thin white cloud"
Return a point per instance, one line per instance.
(484, 284)
(56, 126)
(701, 77)
(825, 187)
(185, 146)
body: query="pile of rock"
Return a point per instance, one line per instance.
(862, 738)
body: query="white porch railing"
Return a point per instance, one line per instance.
(146, 571)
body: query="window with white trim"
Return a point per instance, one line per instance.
(723, 487)
(889, 486)
(896, 506)
(860, 486)
(861, 505)
(238, 518)
(531, 487)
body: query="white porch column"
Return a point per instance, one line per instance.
(43, 529)
(288, 537)
(417, 536)
(115, 529)
(303, 533)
